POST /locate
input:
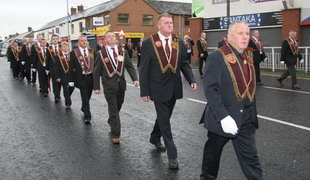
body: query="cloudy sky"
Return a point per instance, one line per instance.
(17, 15)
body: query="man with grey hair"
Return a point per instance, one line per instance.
(230, 114)
(290, 55)
(258, 54)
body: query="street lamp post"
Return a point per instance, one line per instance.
(228, 13)
(68, 15)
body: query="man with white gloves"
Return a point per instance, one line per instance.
(230, 86)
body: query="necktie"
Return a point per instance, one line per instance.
(167, 49)
(86, 57)
(44, 53)
(114, 55)
(56, 51)
(245, 68)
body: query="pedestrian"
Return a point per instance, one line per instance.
(81, 73)
(35, 45)
(14, 57)
(259, 56)
(139, 46)
(188, 43)
(230, 114)
(202, 46)
(40, 60)
(129, 47)
(290, 55)
(62, 63)
(53, 50)
(110, 63)
(222, 42)
(163, 57)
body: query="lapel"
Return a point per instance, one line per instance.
(109, 64)
(293, 46)
(52, 52)
(161, 55)
(242, 89)
(40, 55)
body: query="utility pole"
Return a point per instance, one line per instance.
(68, 15)
(228, 13)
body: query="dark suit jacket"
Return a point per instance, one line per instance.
(221, 98)
(37, 63)
(60, 73)
(287, 55)
(75, 70)
(25, 57)
(115, 83)
(200, 50)
(162, 87)
(51, 63)
(257, 57)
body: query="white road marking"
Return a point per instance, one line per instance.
(289, 90)
(264, 117)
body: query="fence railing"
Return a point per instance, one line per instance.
(273, 58)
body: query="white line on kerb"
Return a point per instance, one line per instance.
(289, 90)
(264, 117)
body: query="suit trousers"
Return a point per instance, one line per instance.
(257, 72)
(162, 127)
(43, 81)
(67, 90)
(290, 71)
(201, 60)
(245, 148)
(115, 102)
(56, 86)
(86, 89)
(34, 77)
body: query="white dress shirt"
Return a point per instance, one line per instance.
(163, 40)
(82, 51)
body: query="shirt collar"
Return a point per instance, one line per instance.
(162, 37)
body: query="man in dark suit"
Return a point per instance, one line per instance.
(258, 53)
(62, 62)
(188, 43)
(202, 46)
(32, 55)
(53, 50)
(290, 55)
(26, 58)
(81, 73)
(110, 63)
(139, 46)
(13, 55)
(163, 57)
(40, 60)
(129, 47)
(230, 114)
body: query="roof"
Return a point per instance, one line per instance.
(160, 6)
(20, 36)
(171, 7)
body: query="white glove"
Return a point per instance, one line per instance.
(301, 61)
(23, 62)
(33, 70)
(282, 62)
(229, 125)
(71, 84)
(47, 71)
(265, 59)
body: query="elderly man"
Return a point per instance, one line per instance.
(202, 47)
(290, 55)
(163, 57)
(230, 114)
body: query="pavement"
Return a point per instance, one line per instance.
(41, 140)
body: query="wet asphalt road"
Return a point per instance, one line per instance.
(41, 140)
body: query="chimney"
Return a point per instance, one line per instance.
(29, 29)
(73, 10)
(80, 8)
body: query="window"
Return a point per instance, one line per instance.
(88, 23)
(222, 1)
(81, 26)
(72, 28)
(148, 20)
(106, 20)
(186, 20)
(123, 19)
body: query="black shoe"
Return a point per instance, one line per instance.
(159, 146)
(173, 164)
(280, 82)
(68, 107)
(57, 99)
(296, 87)
(87, 119)
(44, 94)
(259, 83)
(201, 76)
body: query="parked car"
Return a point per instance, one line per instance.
(3, 52)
